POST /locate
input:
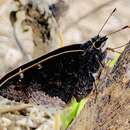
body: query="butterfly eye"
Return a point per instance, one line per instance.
(97, 44)
(100, 42)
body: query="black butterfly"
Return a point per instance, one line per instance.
(65, 73)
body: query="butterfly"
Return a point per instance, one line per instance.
(64, 73)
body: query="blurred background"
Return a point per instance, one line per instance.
(84, 18)
(75, 21)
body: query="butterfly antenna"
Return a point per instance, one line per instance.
(123, 28)
(107, 20)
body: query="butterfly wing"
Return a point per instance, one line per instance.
(64, 73)
(54, 73)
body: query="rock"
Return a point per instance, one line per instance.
(33, 117)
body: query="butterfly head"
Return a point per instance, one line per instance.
(98, 42)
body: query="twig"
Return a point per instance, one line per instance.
(13, 108)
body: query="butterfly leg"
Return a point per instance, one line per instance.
(95, 91)
(112, 50)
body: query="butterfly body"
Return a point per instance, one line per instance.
(65, 73)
